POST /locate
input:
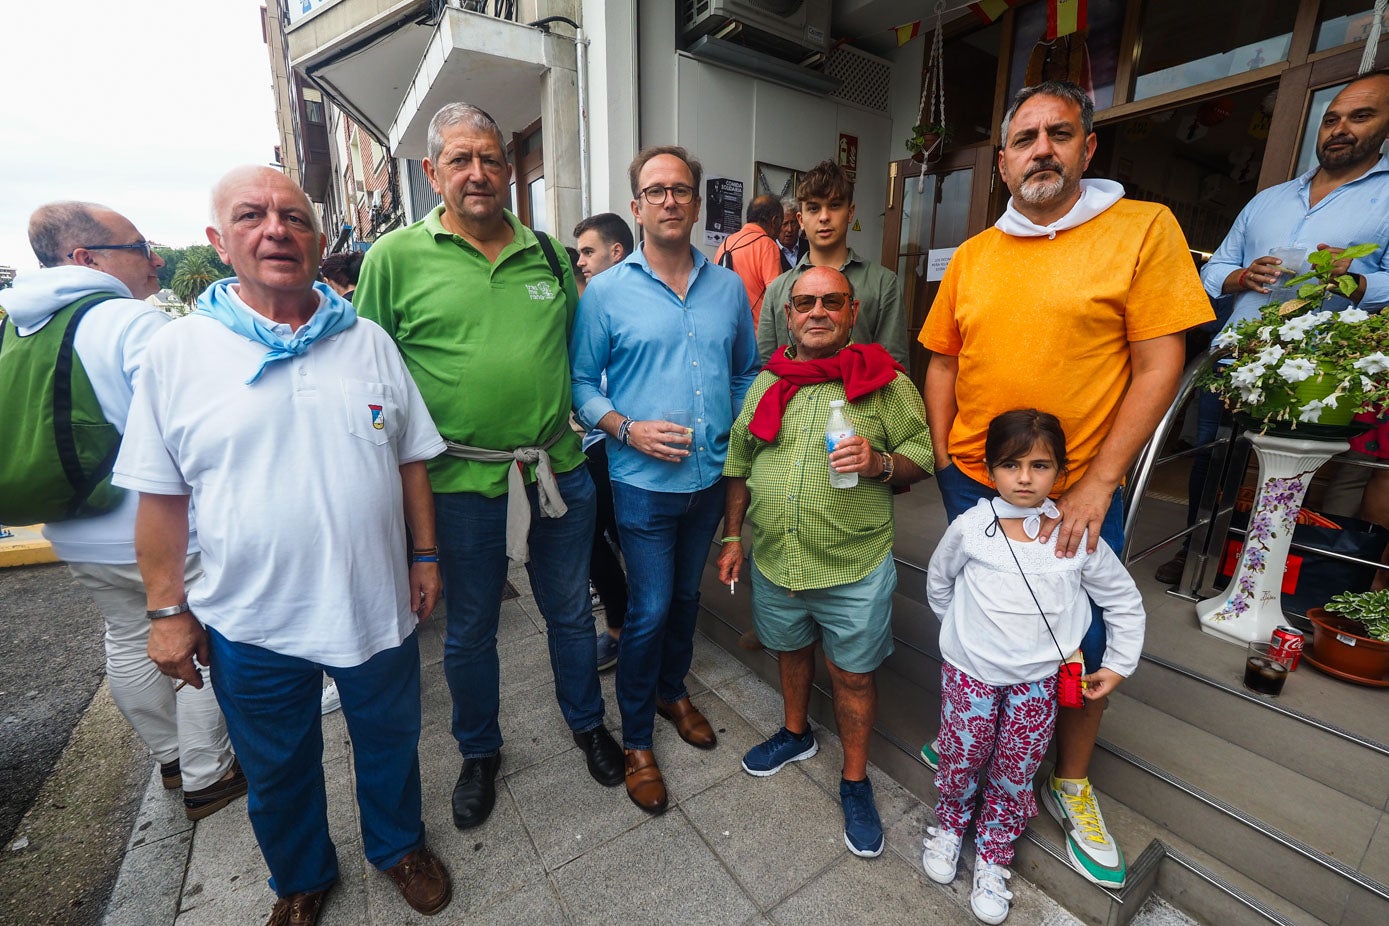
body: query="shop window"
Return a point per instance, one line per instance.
(535, 194)
(1188, 42)
(1090, 58)
(1344, 22)
(527, 153)
(1201, 160)
(969, 60)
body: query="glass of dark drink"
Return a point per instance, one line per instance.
(1263, 671)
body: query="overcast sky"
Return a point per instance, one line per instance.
(139, 104)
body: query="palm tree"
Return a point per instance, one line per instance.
(194, 275)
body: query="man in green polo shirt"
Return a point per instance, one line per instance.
(481, 310)
(827, 212)
(822, 567)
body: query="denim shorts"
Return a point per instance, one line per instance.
(960, 493)
(853, 622)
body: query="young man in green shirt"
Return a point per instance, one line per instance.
(481, 311)
(827, 213)
(822, 568)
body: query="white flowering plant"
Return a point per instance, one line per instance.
(1300, 364)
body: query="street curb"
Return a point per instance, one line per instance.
(150, 881)
(26, 547)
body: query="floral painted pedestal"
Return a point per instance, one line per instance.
(1251, 606)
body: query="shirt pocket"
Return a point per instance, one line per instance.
(371, 410)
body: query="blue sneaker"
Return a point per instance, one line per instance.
(929, 757)
(607, 651)
(863, 830)
(768, 757)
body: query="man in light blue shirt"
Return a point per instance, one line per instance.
(674, 332)
(1342, 201)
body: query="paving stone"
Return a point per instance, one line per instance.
(900, 896)
(533, 904)
(756, 702)
(147, 888)
(688, 770)
(773, 833)
(713, 665)
(566, 812)
(659, 873)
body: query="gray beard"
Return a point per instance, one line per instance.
(1041, 192)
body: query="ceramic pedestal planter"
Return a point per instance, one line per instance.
(1251, 606)
(1339, 648)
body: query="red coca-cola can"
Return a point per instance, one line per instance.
(1286, 645)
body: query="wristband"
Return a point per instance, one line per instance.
(624, 432)
(424, 559)
(424, 551)
(171, 611)
(731, 540)
(1239, 283)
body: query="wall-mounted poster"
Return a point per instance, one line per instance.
(723, 208)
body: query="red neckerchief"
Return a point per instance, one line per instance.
(863, 368)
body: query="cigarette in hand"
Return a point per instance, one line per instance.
(730, 586)
(179, 687)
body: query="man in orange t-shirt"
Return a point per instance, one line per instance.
(1073, 303)
(752, 251)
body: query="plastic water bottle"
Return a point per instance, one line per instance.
(838, 429)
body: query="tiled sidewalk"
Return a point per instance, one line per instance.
(561, 849)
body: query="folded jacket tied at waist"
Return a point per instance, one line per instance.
(518, 509)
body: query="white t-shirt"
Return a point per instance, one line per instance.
(295, 479)
(990, 626)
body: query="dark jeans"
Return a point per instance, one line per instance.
(472, 553)
(666, 538)
(961, 493)
(271, 702)
(604, 568)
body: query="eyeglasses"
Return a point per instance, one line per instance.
(834, 302)
(656, 195)
(137, 246)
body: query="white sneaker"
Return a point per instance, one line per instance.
(990, 898)
(330, 699)
(942, 855)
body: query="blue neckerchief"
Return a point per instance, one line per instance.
(334, 314)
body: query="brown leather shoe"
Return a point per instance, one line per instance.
(689, 722)
(423, 881)
(645, 786)
(297, 909)
(207, 801)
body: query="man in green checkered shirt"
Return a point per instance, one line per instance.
(822, 568)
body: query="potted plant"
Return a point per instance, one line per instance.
(928, 140)
(1350, 636)
(1303, 368)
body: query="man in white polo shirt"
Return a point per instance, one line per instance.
(301, 439)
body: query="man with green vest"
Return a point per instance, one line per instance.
(87, 252)
(481, 308)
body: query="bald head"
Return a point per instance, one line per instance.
(765, 211)
(56, 228)
(821, 313)
(255, 175)
(89, 235)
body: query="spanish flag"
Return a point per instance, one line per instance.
(907, 32)
(1064, 17)
(989, 10)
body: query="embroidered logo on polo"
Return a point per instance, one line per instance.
(540, 292)
(378, 417)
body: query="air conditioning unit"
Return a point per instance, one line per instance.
(792, 30)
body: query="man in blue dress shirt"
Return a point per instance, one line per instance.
(674, 332)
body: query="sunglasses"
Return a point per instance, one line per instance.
(833, 302)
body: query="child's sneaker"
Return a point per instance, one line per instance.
(863, 828)
(1092, 851)
(929, 757)
(768, 757)
(942, 855)
(990, 897)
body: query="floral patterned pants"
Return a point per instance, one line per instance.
(1004, 729)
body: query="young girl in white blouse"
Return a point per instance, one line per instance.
(1011, 612)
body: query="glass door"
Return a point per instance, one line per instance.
(931, 211)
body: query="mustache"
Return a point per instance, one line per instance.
(1048, 164)
(1339, 140)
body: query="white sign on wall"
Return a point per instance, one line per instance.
(300, 9)
(937, 259)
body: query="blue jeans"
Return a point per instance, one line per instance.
(665, 539)
(271, 703)
(961, 493)
(471, 530)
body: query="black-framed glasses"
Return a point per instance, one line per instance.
(656, 195)
(834, 302)
(137, 246)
